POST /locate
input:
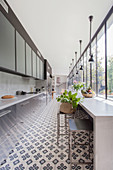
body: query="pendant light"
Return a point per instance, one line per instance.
(81, 66)
(72, 63)
(91, 60)
(77, 72)
(69, 69)
(75, 57)
(76, 62)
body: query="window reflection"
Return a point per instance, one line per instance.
(94, 66)
(101, 63)
(88, 69)
(84, 68)
(110, 58)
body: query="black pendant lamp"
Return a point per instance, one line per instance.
(81, 66)
(76, 62)
(77, 72)
(75, 57)
(91, 60)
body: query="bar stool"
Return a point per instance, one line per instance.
(66, 117)
(76, 126)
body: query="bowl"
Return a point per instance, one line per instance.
(88, 95)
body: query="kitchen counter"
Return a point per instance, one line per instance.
(97, 107)
(101, 111)
(4, 103)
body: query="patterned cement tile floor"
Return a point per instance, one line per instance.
(37, 147)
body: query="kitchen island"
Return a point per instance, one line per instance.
(101, 111)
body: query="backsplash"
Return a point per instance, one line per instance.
(10, 83)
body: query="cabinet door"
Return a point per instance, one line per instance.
(28, 60)
(34, 64)
(20, 53)
(38, 69)
(41, 70)
(7, 44)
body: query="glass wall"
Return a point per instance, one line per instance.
(100, 73)
(110, 58)
(93, 45)
(101, 62)
(84, 67)
(88, 69)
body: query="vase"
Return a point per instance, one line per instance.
(66, 108)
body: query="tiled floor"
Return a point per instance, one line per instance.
(37, 147)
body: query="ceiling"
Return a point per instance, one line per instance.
(56, 26)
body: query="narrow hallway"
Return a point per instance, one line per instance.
(36, 147)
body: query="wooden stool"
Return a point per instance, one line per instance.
(53, 93)
(78, 125)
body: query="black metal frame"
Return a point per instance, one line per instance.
(103, 24)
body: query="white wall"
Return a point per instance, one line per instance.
(9, 84)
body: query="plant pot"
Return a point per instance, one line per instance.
(66, 108)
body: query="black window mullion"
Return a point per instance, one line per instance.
(86, 68)
(96, 71)
(83, 68)
(105, 61)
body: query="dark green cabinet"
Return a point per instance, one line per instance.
(20, 53)
(28, 60)
(7, 44)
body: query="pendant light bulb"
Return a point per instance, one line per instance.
(81, 66)
(91, 60)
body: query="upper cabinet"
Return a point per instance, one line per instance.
(7, 44)
(41, 73)
(28, 60)
(42, 70)
(34, 64)
(20, 53)
(38, 69)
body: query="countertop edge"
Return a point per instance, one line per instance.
(18, 99)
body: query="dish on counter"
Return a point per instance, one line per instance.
(8, 97)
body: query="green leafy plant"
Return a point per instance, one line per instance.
(77, 85)
(68, 97)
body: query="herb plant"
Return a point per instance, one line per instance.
(68, 97)
(77, 85)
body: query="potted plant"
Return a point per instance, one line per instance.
(88, 93)
(69, 102)
(77, 85)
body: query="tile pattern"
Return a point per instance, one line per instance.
(36, 145)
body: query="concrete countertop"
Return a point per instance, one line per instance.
(4, 103)
(97, 107)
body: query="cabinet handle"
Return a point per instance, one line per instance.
(23, 104)
(4, 112)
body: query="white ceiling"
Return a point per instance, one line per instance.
(56, 26)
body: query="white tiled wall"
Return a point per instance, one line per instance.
(10, 83)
